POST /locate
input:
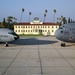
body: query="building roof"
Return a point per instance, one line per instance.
(28, 23)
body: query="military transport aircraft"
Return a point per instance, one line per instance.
(66, 33)
(7, 35)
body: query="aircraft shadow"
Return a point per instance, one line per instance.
(32, 41)
(70, 45)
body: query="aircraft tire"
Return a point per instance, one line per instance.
(6, 45)
(63, 45)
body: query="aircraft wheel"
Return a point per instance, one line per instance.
(63, 45)
(6, 45)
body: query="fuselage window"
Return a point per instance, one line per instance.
(3, 36)
(60, 28)
(63, 28)
(61, 31)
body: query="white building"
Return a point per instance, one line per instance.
(36, 27)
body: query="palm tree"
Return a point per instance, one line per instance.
(46, 11)
(54, 14)
(15, 18)
(29, 15)
(9, 19)
(64, 20)
(44, 17)
(22, 14)
(4, 23)
(45, 14)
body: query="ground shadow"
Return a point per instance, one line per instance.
(32, 41)
(70, 45)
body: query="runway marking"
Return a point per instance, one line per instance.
(63, 57)
(12, 61)
(40, 58)
(2, 50)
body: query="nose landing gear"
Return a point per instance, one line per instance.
(6, 44)
(63, 44)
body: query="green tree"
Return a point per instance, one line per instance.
(59, 21)
(46, 11)
(44, 17)
(14, 18)
(69, 20)
(9, 20)
(73, 21)
(21, 14)
(64, 20)
(54, 14)
(29, 15)
(4, 23)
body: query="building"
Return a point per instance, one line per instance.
(36, 27)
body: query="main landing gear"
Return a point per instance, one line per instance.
(63, 44)
(6, 44)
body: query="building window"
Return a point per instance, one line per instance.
(26, 26)
(52, 27)
(26, 30)
(52, 30)
(38, 27)
(18, 26)
(18, 30)
(48, 30)
(43, 26)
(35, 30)
(48, 27)
(42, 30)
(34, 26)
(45, 30)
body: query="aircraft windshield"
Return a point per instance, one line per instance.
(13, 33)
(63, 27)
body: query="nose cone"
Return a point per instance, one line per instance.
(16, 37)
(56, 34)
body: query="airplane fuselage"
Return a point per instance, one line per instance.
(6, 38)
(66, 33)
(7, 35)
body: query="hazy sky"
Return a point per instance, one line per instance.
(37, 7)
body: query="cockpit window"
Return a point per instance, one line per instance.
(13, 33)
(63, 27)
(60, 28)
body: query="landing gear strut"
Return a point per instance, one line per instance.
(6, 44)
(63, 44)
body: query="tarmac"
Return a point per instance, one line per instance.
(37, 55)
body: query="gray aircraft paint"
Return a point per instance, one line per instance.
(6, 36)
(66, 32)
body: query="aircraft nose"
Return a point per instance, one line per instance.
(16, 37)
(56, 34)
